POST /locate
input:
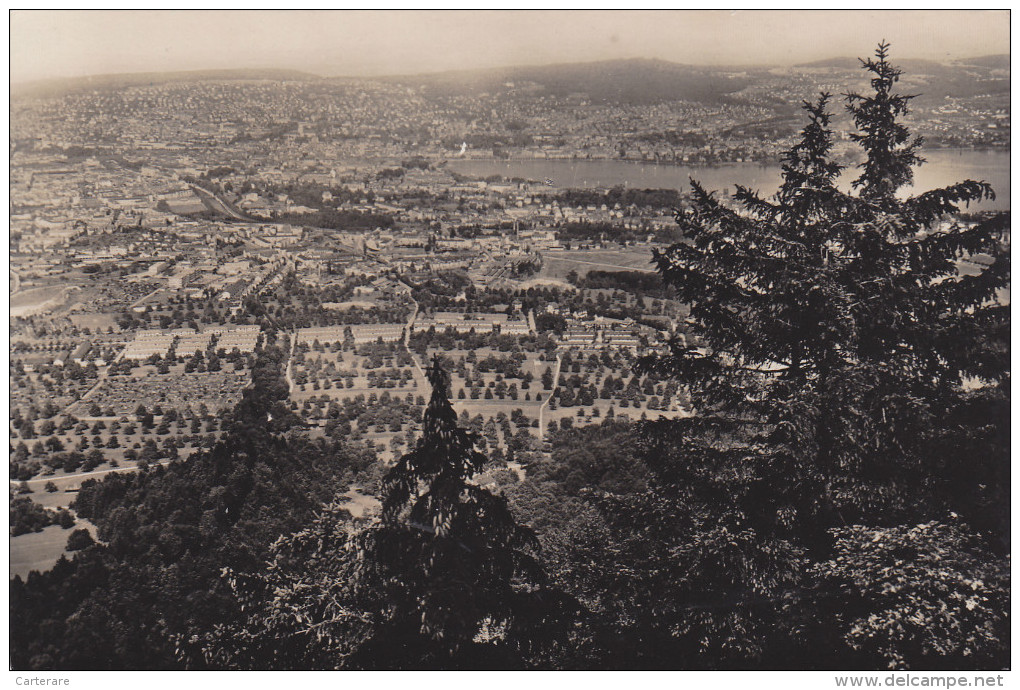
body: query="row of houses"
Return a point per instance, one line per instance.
(186, 341)
(359, 334)
(599, 333)
(479, 323)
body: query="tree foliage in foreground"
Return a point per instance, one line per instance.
(927, 595)
(446, 578)
(165, 534)
(845, 373)
(832, 332)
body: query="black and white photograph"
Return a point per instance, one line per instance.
(510, 340)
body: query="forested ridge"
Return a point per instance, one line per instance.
(168, 532)
(839, 497)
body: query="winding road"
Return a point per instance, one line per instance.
(67, 482)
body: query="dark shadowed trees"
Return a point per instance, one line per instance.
(844, 372)
(463, 581)
(445, 578)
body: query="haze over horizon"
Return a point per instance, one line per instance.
(48, 44)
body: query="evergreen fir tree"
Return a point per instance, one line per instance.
(445, 579)
(463, 581)
(834, 331)
(829, 338)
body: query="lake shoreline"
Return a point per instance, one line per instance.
(942, 167)
(708, 166)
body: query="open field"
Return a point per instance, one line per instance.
(36, 296)
(36, 300)
(95, 321)
(359, 504)
(55, 500)
(41, 550)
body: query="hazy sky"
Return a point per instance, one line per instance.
(74, 43)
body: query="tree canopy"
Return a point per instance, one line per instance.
(444, 578)
(844, 371)
(834, 328)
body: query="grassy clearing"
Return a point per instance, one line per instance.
(95, 322)
(41, 550)
(359, 503)
(34, 297)
(37, 300)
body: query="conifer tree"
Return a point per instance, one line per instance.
(446, 578)
(833, 329)
(829, 338)
(463, 581)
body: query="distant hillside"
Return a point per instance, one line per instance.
(637, 81)
(990, 61)
(908, 65)
(113, 82)
(616, 81)
(936, 80)
(832, 63)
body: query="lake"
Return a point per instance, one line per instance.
(943, 167)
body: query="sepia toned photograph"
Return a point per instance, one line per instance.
(477, 340)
